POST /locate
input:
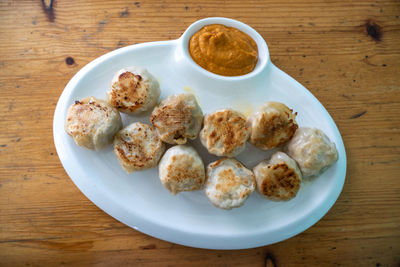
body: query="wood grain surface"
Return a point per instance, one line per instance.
(347, 53)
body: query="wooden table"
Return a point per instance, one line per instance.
(347, 53)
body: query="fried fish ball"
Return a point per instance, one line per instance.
(138, 147)
(225, 133)
(92, 123)
(133, 90)
(279, 179)
(177, 118)
(272, 125)
(228, 183)
(312, 150)
(181, 169)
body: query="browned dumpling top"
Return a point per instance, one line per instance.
(225, 133)
(272, 125)
(138, 147)
(228, 183)
(92, 123)
(177, 118)
(181, 169)
(133, 90)
(279, 178)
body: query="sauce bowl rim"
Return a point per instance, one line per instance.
(263, 52)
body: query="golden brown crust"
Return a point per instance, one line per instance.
(227, 180)
(130, 89)
(80, 112)
(273, 124)
(280, 182)
(228, 183)
(92, 122)
(173, 116)
(139, 160)
(215, 163)
(224, 132)
(180, 170)
(138, 147)
(275, 128)
(177, 118)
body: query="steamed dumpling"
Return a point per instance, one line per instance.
(133, 90)
(228, 183)
(272, 125)
(312, 150)
(181, 169)
(177, 118)
(138, 147)
(225, 133)
(279, 178)
(92, 123)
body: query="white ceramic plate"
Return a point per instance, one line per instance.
(140, 201)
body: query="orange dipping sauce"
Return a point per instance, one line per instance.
(223, 50)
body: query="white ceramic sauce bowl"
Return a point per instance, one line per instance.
(183, 50)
